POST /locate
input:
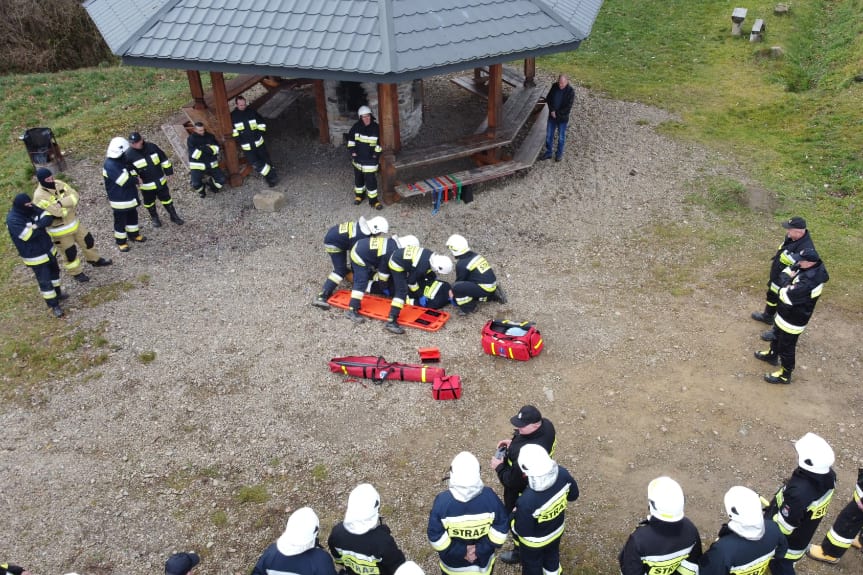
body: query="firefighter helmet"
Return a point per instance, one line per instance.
(457, 245)
(665, 499)
(409, 568)
(363, 512)
(378, 225)
(744, 511)
(117, 147)
(440, 264)
(364, 111)
(814, 454)
(405, 241)
(301, 532)
(534, 460)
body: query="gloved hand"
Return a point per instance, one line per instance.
(423, 300)
(386, 292)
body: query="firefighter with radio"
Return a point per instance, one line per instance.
(338, 242)
(467, 521)
(800, 504)
(667, 542)
(475, 281)
(68, 233)
(538, 520)
(152, 166)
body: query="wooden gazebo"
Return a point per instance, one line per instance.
(381, 41)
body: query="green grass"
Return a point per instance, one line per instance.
(796, 123)
(253, 494)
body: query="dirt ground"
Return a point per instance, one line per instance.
(237, 421)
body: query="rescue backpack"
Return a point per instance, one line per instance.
(511, 339)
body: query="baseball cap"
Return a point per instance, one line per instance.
(525, 416)
(796, 223)
(135, 137)
(181, 563)
(809, 255)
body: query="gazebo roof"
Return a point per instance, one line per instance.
(371, 40)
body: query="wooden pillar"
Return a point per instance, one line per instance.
(495, 97)
(388, 108)
(529, 72)
(197, 89)
(224, 129)
(321, 110)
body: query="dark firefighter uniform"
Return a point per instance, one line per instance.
(204, 161)
(848, 524)
(659, 547)
(474, 281)
(27, 229)
(372, 553)
(152, 166)
(454, 524)
(784, 257)
(797, 508)
(414, 281)
(732, 554)
(538, 523)
(369, 255)
(249, 130)
(796, 304)
(314, 561)
(66, 230)
(10, 569)
(509, 473)
(122, 191)
(338, 242)
(364, 147)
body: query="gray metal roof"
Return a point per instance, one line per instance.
(376, 40)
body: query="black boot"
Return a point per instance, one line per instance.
(172, 211)
(781, 376)
(154, 215)
(763, 317)
(60, 295)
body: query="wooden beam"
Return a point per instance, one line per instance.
(390, 138)
(495, 97)
(529, 72)
(321, 111)
(196, 88)
(225, 128)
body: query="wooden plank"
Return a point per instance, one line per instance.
(278, 103)
(177, 136)
(234, 87)
(466, 177)
(516, 111)
(447, 151)
(533, 142)
(469, 83)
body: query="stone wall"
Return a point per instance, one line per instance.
(341, 119)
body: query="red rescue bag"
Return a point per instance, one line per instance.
(511, 339)
(446, 387)
(378, 369)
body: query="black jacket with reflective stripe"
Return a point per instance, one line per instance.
(656, 546)
(731, 553)
(372, 553)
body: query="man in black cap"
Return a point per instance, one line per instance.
(181, 563)
(796, 303)
(797, 238)
(26, 225)
(152, 166)
(530, 427)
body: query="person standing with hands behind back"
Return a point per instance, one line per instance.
(559, 99)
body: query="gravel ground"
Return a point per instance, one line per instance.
(238, 421)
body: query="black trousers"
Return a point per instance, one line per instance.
(846, 527)
(785, 346)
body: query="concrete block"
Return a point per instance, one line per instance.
(269, 201)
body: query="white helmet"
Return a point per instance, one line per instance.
(363, 512)
(534, 460)
(379, 225)
(409, 568)
(744, 510)
(457, 245)
(363, 111)
(405, 241)
(440, 264)
(814, 454)
(665, 499)
(300, 533)
(117, 147)
(465, 482)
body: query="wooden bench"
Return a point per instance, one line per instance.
(479, 85)
(515, 112)
(523, 158)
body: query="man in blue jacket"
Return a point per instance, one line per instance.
(559, 99)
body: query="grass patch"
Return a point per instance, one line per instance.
(720, 195)
(147, 357)
(253, 494)
(219, 519)
(319, 472)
